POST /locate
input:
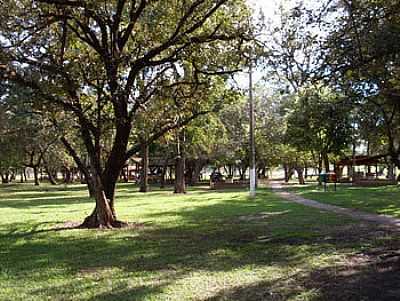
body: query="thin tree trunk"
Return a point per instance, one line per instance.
(51, 178)
(163, 173)
(49, 173)
(189, 170)
(286, 171)
(67, 175)
(193, 172)
(326, 162)
(241, 176)
(180, 186)
(230, 168)
(125, 174)
(242, 171)
(144, 177)
(36, 175)
(198, 166)
(300, 175)
(391, 174)
(12, 176)
(4, 178)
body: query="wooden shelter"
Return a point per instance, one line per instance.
(373, 172)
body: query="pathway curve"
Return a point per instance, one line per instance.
(356, 214)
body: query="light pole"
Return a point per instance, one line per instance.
(252, 142)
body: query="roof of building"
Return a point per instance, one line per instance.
(361, 160)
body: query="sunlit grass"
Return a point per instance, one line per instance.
(200, 246)
(381, 200)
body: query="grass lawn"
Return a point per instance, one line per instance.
(200, 246)
(381, 200)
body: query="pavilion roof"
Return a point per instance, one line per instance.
(361, 160)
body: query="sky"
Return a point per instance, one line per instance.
(270, 10)
(268, 6)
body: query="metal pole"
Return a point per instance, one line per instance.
(252, 142)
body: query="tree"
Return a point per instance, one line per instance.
(11, 153)
(86, 58)
(318, 121)
(270, 128)
(364, 62)
(293, 54)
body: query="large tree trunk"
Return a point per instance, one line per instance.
(88, 180)
(91, 188)
(103, 215)
(144, 176)
(105, 179)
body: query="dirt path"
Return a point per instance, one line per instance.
(356, 214)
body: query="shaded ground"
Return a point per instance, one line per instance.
(372, 274)
(200, 246)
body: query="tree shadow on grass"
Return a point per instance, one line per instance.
(32, 230)
(369, 278)
(110, 290)
(21, 197)
(45, 201)
(212, 238)
(29, 187)
(26, 197)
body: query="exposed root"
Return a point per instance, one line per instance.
(93, 222)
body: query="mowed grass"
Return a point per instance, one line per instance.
(380, 200)
(204, 245)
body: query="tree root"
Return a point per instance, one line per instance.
(92, 222)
